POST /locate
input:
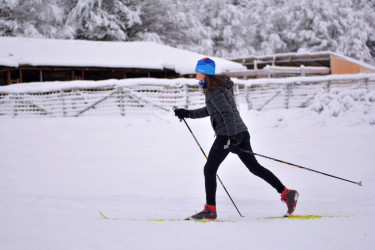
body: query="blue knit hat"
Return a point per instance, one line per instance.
(205, 66)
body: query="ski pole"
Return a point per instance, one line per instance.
(206, 159)
(294, 165)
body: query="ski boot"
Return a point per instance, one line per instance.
(208, 213)
(290, 198)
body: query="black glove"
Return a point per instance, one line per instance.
(181, 113)
(233, 145)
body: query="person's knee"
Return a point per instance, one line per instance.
(256, 169)
(209, 170)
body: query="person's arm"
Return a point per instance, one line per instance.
(195, 113)
(198, 113)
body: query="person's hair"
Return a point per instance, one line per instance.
(216, 81)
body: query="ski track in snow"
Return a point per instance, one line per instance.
(57, 173)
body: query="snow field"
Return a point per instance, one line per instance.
(56, 174)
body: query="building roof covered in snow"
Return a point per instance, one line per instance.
(76, 57)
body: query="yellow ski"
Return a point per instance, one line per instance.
(303, 217)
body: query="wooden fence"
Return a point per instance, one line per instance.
(133, 98)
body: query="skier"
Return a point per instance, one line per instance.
(230, 130)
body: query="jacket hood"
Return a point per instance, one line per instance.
(228, 82)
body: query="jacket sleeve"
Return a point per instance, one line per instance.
(198, 113)
(222, 105)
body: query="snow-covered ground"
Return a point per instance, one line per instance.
(57, 173)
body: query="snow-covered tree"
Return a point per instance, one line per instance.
(175, 23)
(269, 27)
(223, 28)
(224, 23)
(103, 20)
(338, 26)
(39, 18)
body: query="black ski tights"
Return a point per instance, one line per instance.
(218, 154)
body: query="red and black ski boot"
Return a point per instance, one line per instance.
(208, 213)
(290, 197)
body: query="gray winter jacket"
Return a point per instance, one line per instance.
(222, 109)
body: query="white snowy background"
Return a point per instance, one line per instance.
(57, 173)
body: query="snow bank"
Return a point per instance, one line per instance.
(358, 104)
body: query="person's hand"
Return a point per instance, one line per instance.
(233, 145)
(181, 113)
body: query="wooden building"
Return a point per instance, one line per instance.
(28, 73)
(300, 64)
(38, 60)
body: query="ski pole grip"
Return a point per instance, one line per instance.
(174, 108)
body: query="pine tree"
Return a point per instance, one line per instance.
(174, 23)
(271, 27)
(223, 28)
(102, 20)
(40, 18)
(223, 22)
(338, 26)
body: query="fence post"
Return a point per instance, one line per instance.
(15, 104)
(63, 103)
(121, 96)
(237, 95)
(328, 86)
(186, 91)
(247, 98)
(288, 90)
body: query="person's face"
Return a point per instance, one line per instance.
(199, 76)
